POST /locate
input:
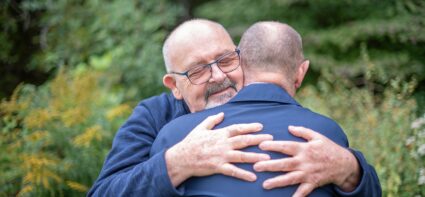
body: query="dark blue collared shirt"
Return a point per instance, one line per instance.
(128, 170)
(276, 110)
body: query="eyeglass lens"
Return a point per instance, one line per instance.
(202, 73)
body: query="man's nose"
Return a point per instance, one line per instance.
(216, 74)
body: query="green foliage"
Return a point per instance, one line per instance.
(380, 127)
(129, 33)
(367, 59)
(337, 33)
(54, 138)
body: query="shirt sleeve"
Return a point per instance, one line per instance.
(128, 170)
(369, 183)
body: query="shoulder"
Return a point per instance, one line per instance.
(163, 105)
(187, 122)
(151, 114)
(163, 100)
(326, 126)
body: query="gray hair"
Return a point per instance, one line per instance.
(271, 47)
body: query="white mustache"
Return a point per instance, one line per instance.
(214, 88)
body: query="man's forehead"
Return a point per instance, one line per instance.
(195, 51)
(201, 54)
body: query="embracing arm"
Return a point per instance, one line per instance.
(318, 162)
(368, 184)
(205, 151)
(128, 170)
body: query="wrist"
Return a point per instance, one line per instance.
(350, 181)
(176, 167)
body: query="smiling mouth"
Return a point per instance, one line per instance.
(219, 97)
(218, 89)
(219, 92)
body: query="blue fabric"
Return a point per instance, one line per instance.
(276, 110)
(128, 170)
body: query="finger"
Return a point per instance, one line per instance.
(233, 171)
(240, 129)
(303, 132)
(290, 178)
(277, 165)
(285, 147)
(303, 190)
(244, 157)
(242, 141)
(211, 121)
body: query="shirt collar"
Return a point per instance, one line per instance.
(264, 92)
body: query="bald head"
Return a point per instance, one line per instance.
(191, 34)
(187, 50)
(271, 47)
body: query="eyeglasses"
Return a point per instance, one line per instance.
(202, 73)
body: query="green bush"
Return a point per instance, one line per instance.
(380, 127)
(127, 35)
(366, 60)
(54, 138)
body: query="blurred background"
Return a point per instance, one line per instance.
(72, 70)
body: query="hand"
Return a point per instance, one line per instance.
(311, 164)
(204, 151)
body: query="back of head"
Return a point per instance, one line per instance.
(271, 47)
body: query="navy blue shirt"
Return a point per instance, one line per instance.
(276, 110)
(129, 170)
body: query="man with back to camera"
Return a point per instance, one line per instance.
(129, 170)
(274, 68)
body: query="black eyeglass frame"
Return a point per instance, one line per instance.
(209, 65)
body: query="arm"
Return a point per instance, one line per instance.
(205, 152)
(317, 162)
(128, 170)
(369, 182)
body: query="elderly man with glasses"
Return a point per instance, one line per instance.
(203, 69)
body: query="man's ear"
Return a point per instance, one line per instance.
(300, 74)
(170, 82)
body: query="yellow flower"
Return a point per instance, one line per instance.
(37, 135)
(38, 118)
(74, 116)
(13, 105)
(77, 186)
(27, 189)
(38, 170)
(68, 92)
(90, 134)
(118, 111)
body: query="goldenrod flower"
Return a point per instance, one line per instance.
(74, 116)
(38, 170)
(118, 111)
(24, 191)
(90, 134)
(13, 105)
(36, 136)
(38, 118)
(77, 186)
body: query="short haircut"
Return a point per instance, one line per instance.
(271, 47)
(198, 25)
